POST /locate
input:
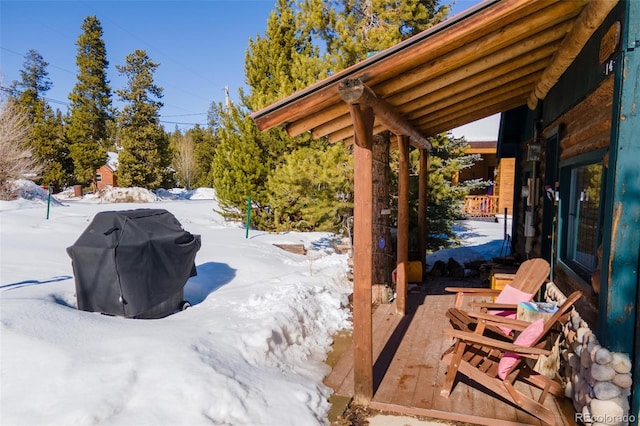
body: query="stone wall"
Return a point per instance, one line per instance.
(597, 380)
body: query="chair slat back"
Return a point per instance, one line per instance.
(531, 275)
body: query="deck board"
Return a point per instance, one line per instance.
(413, 373)
(385, 321)
(399, 387)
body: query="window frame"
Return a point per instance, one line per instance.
(568, 194)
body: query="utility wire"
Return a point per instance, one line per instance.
(15, 92)
(58, 102)
(185, 115)
(25, 57)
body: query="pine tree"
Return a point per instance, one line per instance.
(90, 104)
(46, 133)
(312, 189)
(205, 145)
(283, 61)
(276, 65)
(145, 157)
(34, 76)
(353, 29)
(445, 198)
(240, 166)
(51, 149)
(287, 59)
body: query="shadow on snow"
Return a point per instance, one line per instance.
(211, 276)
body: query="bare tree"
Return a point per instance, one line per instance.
(16, 160)
(184, 159)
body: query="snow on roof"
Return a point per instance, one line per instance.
(112, 160)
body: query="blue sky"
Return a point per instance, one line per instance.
(200, 45)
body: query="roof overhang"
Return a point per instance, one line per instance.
(482, 147)
(496, 56)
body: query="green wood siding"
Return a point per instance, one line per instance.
(620, 323)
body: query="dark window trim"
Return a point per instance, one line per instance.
(577, 271)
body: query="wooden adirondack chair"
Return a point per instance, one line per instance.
(529, 277)
(526, 283)
(497, 365)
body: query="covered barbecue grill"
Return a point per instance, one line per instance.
(133, 263)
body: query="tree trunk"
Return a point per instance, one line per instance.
(383, 251)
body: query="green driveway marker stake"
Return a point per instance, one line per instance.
(48, 201)
(246, 235)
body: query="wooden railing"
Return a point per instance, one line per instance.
(480, 205)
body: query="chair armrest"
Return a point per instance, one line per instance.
(461, 291)
(529, 352)
(489, 306)
(497, 320)
(477, 291)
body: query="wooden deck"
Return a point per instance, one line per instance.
(408, 373)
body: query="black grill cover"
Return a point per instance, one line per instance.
(133, 263)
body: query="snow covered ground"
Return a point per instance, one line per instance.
(249, 352)
(479, 241)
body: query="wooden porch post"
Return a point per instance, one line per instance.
(362, 255)
(363, 104)
(403, 224)
(422, 207)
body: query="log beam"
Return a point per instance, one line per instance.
(589, 20)
(354, 91)
(347, 136)
(442, 122)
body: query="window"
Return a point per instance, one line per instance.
(581, 185)
(98, 177)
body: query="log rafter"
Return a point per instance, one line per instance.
(400, 91)
(444, 85)
(498, 46)
(453, 56)
(591, 17)
(354, 91)
(479, 87)
(441, 89)
(503, 61)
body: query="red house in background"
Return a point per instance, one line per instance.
(105, 175)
